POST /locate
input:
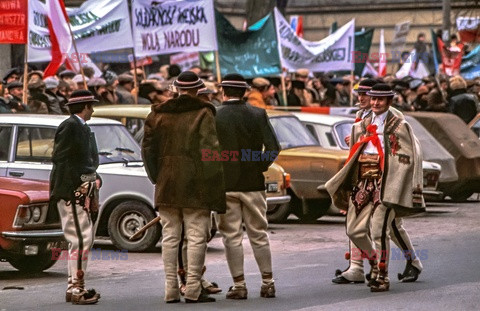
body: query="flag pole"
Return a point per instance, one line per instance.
(135, 81)
(25, 74)
(78, 55)
(351, 87)
(284, 88)
(217, 65)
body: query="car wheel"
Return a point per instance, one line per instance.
(461, 196)
(316, 209)
(126, 219)
(33, 264)
(278, 213)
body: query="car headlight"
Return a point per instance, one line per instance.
(33, 214)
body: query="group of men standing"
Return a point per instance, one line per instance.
(380, 182)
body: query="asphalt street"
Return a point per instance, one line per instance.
(305, 258)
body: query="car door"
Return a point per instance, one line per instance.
(5, 150)
(32, 152)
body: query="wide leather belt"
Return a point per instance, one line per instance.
(88, 177)
(369, 182)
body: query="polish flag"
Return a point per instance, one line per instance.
(382, 57)
(59, 35)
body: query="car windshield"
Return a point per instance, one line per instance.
(291, 133)
(115, 144)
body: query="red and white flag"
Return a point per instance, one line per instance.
(382, 57)
(59, 35)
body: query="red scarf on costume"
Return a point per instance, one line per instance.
(371, 136)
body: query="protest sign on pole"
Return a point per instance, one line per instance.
(330, 54)
(13, 21)
(186, 60)
(469, 29)
(97, 26)
(166, 27)
(470, 68)
(251, 53)
(399, 38)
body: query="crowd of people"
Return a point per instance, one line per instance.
(302, 88)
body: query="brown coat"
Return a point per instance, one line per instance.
(403, 173)
(175, 133)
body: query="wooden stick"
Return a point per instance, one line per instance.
(145, 228)
(25, 75)
(217, 64)
(78, 56)
(284, 89)
(135, 80)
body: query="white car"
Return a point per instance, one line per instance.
(331, 130)
(126, 196)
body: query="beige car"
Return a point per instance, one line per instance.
(277, 180)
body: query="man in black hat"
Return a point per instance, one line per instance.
(381, 180)
(187, 186)
(246, 135)
(355, 273)
(73, 187)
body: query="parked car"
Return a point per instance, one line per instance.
(126, 197)
(331, 130)
(455, 136)
(308, 164)
(29, 230)
(475, 125)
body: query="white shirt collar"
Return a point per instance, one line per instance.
(81, 120)
(380, 117)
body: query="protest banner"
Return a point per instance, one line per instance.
(408, 69)
(186, 60)
(470, 68)
(97, 26)
(13, 21)
(330, 54)
(469, 29)
(251, 53)
(399, 38)
(168, 27)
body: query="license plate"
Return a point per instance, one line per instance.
(58, 244)
(272, 187)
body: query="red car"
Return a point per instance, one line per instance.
(29, 230)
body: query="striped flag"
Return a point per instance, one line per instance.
(382, 57)
(59, 35)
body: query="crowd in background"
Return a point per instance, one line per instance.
(301, 88)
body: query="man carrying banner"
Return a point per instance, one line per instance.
(245, 130)
(187, 187)
(73, 188)
(355, 273)
(382, 179)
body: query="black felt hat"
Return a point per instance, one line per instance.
(366, 85)
(298, 84)
(81, 97)
(188, 80)
(234, 80)
(14, 84)
(381, 90)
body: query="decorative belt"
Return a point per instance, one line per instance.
(368, 187)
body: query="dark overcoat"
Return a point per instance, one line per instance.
(245, 130)
(175, 133)
(74, 153)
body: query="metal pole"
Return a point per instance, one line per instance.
(446, 20)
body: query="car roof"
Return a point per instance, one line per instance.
(132, 111)
(325, 119)
(46, 119)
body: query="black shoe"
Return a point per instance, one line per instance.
(202, 298)
(410, 274)
(338, 272)
(341, 280)
(173, 301)
(368, 276)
